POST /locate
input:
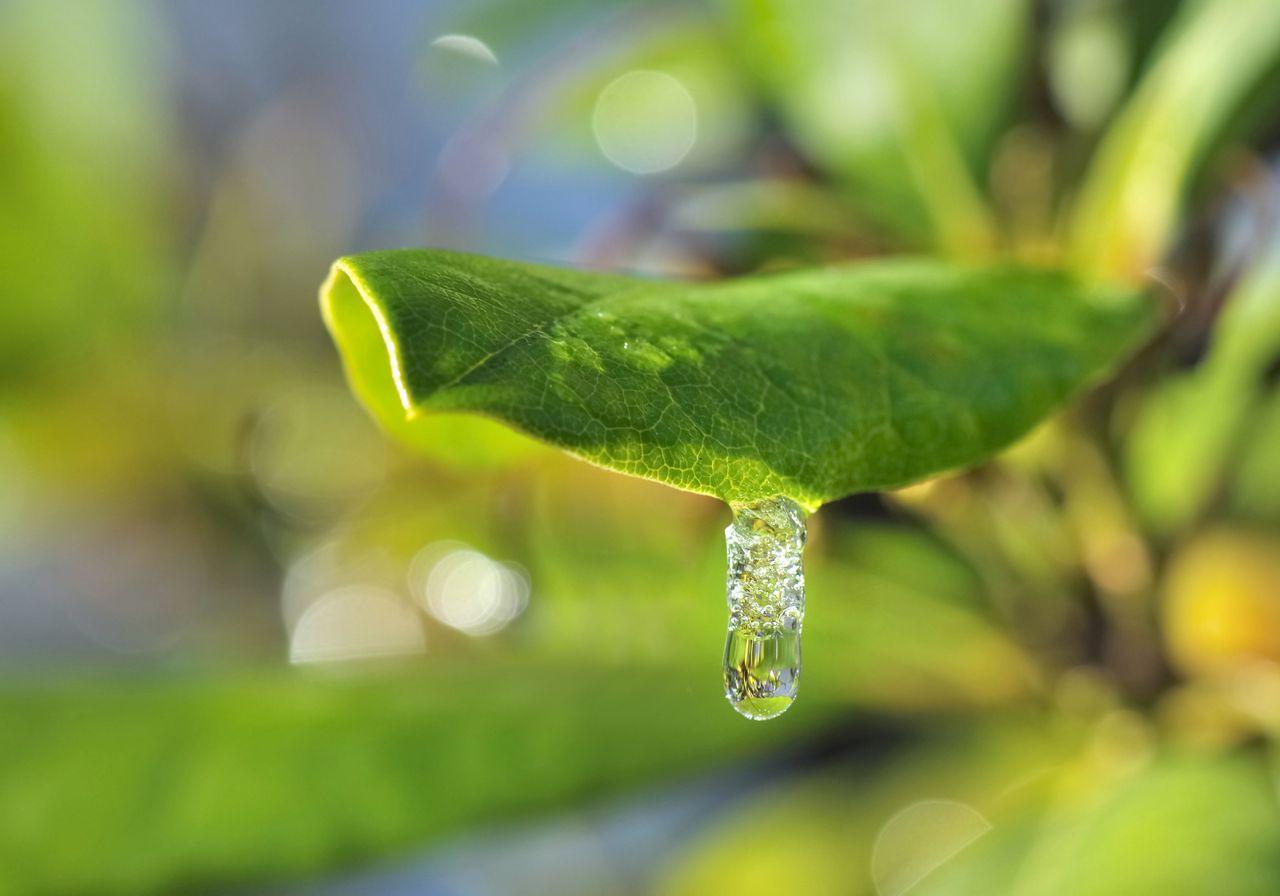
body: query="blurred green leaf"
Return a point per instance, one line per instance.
(1194, 425)
(1016, 808)
(898, 100)
(1182, 826)
(812, 384)
(135, 786)
(1088, 61)
(1256, 484)
(826, 829)
(84, 145)
(874, 641)
(1217, 57)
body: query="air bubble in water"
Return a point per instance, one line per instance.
(766, 607)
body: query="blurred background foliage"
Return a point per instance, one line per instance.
(249, 642)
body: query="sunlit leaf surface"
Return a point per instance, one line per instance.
(813, 384)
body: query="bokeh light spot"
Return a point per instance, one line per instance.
(645, 121)
(356, 622)
(466, 45)
(467, 590)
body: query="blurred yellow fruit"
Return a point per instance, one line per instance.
(1221, 602)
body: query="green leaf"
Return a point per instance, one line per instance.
(1063, 822)
(60, 98)
(1186, 103)
(1255, 487)
(833, 827)
(124, 785)
(812, 384)
(1196, 428)
(1144, 833)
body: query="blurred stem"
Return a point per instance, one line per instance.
(1114, 554)
(963, 223)
(1116, 558)
(1022, 188)
(1215, 55)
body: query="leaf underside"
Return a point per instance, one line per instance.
(812, 384)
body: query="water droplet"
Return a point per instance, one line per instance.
(643, 354)
(765, 593)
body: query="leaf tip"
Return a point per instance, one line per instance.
(338, 296)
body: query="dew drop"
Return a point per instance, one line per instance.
(765, 593)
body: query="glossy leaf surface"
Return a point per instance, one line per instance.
(813, 384)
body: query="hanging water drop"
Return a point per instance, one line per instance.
(765, 543)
